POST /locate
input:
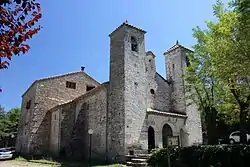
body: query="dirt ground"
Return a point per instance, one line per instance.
(20, 163)
(13, 163)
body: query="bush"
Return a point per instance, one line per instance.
(203, 156)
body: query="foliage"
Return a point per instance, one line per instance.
(218, 75)
(18, 23)
(243, 9)
(205, 156)
(9, 123)
(159, 157)
(1, 111)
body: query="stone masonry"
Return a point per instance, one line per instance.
(44, 94)
(137, 108)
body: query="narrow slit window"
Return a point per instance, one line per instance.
(134, 45)
(28, 104)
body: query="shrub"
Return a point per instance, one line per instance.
(203, 156)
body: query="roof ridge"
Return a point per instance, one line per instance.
(57, 76)
(86, 94)
(127, 24)
(176, 46)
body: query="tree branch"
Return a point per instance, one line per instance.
(236, 96)
(199, 96)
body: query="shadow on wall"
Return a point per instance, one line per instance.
(40, 141)
(73, 134)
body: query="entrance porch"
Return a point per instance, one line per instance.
(163, 125)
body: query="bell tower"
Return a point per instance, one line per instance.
(175, 62)
(127, 99)
(176, 59)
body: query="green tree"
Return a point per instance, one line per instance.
(1, 111)
(230, 58)
(242, 7)
(220, 65)
(9, 124)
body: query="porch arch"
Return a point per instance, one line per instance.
(166, 132)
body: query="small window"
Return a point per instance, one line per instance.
(152, 91)
(71, 85)
(173, 66)
(134, 45)
(88, 88)
(28, 104)
(55, 116)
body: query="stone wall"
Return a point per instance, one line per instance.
(39, 142)
(54, 131)
(151, 88)
(158, 119)
(73, 135)
(97, 116)
(116, 104)
(193, 125)
(174, 70)
(24, 126)
(162, 94)
(67, 122)
(49, 93)
(136, 85)
(176, 61)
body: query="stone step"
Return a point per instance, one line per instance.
(138, 156)
(138, 160)
(133, 164)
(143, 155)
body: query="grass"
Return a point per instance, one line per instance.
(52, 162)
(40, 161)
(115, 165)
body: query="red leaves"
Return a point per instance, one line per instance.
(18, 23)
(4, 64)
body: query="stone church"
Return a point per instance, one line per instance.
(136, 109)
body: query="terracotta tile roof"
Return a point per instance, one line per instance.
(129, 25)
(177, 45)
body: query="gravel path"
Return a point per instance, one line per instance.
(13, 163)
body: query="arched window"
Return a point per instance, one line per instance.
(134, 45)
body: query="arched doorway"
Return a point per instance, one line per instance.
(166, 132)
(151, 138)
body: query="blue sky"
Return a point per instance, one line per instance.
(76, 34)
